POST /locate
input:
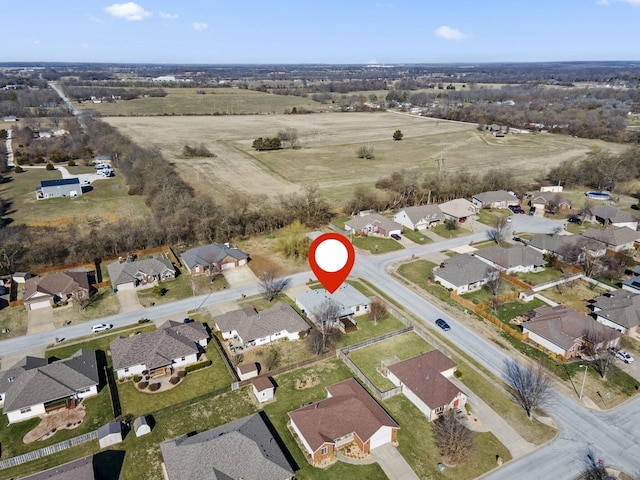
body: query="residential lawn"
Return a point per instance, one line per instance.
(99, 412)
(531, 430)
(574, 295)
(15, 319)
(289, 398)
(376, 244)
(508, 311)
(339, 222)
(419, 273)
(104, 303)
(182, 287)
(417, 237)
(444, 232)
(196, 383)
(105, 202)
(368, 329)
(362, 288)
(368, 359)
(96, 341)
(416, 443)
(482, 295)
(488, 217)
(538, 278)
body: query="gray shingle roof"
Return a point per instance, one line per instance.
(125, 272)
(158, 348)
(432, 213)
(496, 196)
(211, 254)
(346, 296)
(612, 214)
(516, 256)
(51, 382)
(459, 208)
(463, 270)
(613, 236)
(620, 306)
(359, 222)
(244, 448)
(251, 324)
(81, 469)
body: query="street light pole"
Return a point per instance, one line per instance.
(584, 379)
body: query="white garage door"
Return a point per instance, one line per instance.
(381, 437)
(126, 286)
(38, 305)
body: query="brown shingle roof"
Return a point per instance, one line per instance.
(423, 376)
(349, 409)
(262, 383)
(59, 283)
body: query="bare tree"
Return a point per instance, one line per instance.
(531, 384)
(325, 317)
(271, 286)
(272, 360)
(454, 440)
(595, 346)
(365, 151)
(378, 310)
(594, 467)
(500, 230)
(289, 136)
(494, 284)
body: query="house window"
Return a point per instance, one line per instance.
(183, 359)
(83, 390)
(126, 370)
(25, 410)
(439, 410)
(323, 451)
(197, 268)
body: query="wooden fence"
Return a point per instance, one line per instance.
(50, 450)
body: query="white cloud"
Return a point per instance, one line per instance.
(449, 33)
(168, 16)
(199, 27)
(128, 11)
(633, 3)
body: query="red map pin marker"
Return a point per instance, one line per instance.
(331, 257)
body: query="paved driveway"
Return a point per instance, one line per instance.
(240, 276)
(39, 320)
(128, 300)
(392, 463)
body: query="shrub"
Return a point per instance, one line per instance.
(181, 374)
(50, 166)
(197, 366)
(137, 378)
(365, 151)
(143, 320)
(18, 169)
(174, 380)
(154, 387)
(71, 163)
(457, 374)
(143, 385)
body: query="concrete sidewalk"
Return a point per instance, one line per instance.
(494, 423)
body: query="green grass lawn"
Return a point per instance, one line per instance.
(416, 442)
(368, 329)
(508, 311)
(15, 319)
(181, 287)
(339, 222)
(193, 385)
(538, 278)
(404, 346)
(417, 237)
(376, 244)
(104, 303)
(419, 272)
(444, 232)
(482, 295)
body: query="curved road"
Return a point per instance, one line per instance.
(613, 435)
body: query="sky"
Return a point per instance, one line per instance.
(319, 31)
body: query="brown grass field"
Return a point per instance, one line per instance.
(329, 142)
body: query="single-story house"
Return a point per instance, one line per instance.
(519, 258)
(244, 448)
(44, 291)
(81, 469)
(10, 118)
(58, 188)
(351, 302)
(424, 381)
(420, 217)
(552, 188)
(110, 434)
(560, 245)
(459, 209)
(619, 309)
(217, 256)
(613, 238)
(348, 415)
(496, 199)
(33, 387)
(551, 202)
(171, 345)
(608, 215)
(263, 389)
(462, 273)
(561, 330)
(128, 275)
(247, 370)
(141, 426)
(374, 223)
(251, 327)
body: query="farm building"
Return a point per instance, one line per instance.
(62, 187)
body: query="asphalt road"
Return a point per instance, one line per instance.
(612, 436)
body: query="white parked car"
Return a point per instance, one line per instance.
(101, 327)
(624, 356)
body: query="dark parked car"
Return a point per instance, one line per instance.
(574, 220)
(395, 236)
(517, 239)
(443, 325)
